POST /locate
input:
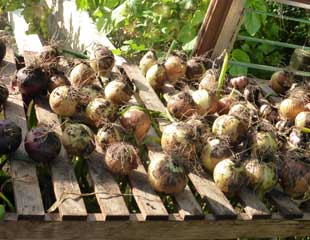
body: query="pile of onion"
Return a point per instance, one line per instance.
(181, 105)
(147, 61)
(10, 137)
(102, 60)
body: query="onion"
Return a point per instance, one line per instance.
(63, 101)
(207, 103)
(296, 139)
(156, 76)
(78, 139)
(178, 140)
(301, 92)
(81, 75)
(4, 93)
(201, 131)
(251, 94)
(118, 92)
(209, 81)
(225, 104)
(264, 145)
(307, 107)
(181, 105)
(102, 60)
(101, 111)
(2, 50)
(213, 152)
(48, 53)
(89, 93)
(175, 68)
(107, 135)
(166, 176)
(57, 80)
(147, 61)
(280, 82)
(230, 128)
(302, 121)
(239, 82)
(295, 177)
(262, 176)
(242, 111)
(268, 112)
(32, 81)
(121, 158)
(136, 121)
(42, 144)
(10, 137)
(290, 107)
(195, 69)
(228, 177)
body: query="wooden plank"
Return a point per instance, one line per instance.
(28, 199)
(266, 89)
(284, 204)
(63, 176)
(297, 3)
(253, 206)
(109, 196)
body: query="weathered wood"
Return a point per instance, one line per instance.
(108, 194)
(284, 204)
(295, 3)
(253, 206)
(26, 188)
(266, 89)
(63, 175)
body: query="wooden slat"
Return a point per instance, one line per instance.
(63, 176)
(284, 204)
(109, 198)
(254, 207)
(28, 199)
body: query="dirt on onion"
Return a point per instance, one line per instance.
(175, 68)
(10, 137)
(156, 76)
(147, 61)
(57, 80)
(195, 69)
(118, 92)
(81, 75)
(102, 60)
(181, 105)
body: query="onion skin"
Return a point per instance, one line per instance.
(32, 81)
(181, 106)
(136, 121)
(228, 177)
(268, 112)
(101, 111)
(241, 111)
(88, 93)
(42, 145)
(106, 136)
(147, 61)
(251, 94)
(301, 92)
(280, 82)
(209, 81)
(48, 53)
(165, 176)
(264, 144)
(195, 69)
(213, 152)
(262, 176)
(121, 158)
(225, 104)
(201, 130)
(290, 107)
(156, 76)
(118, 92)
(178, 140)
(4, 94)
(230, 128)
(239, 82)
(295, 178)
(207, 103)
(63, 101)
(57, 80)
(2, 50)
(81, 75)
(102, 60)
(302, 120)
(10, 137)
(175, 68)
(78, 139)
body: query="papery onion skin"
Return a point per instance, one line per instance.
(89, 92)
(264, 144)
(195, 69)
(280, 82)
(239, 82)
(302, 121)
(290, 107)
(81, 75)
(181, 105)
(102, 60)
(156, 76)
(225, 104)
(206, 102)
(147, 61)
(107, 135)
(209, 81)
(175, 68)
(118, 92)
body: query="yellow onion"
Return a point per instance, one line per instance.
(239, 82)
(209, 81)
(118, 92)
(57, 80)
(207, 103)
(264, 144)
(147, 61)
(89, 93)
(156, 76)
(280, 82)
(225, 103)
(268, 112)
(175, 68)
(102, 60)
(242, 111)
(302, 121)
(195, 69)
(107, 135)
(81, 75)
(181, 105)
(290, 107)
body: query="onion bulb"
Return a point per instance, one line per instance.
(147, 61)
(4, 93)
(89, 92)
(10, 137)
(178, 140)
(209, 81)
(48, 53)
(264, 144)
(57, 80)
(181, 105)
(280, 82)
(81, 75)
(225, 104)
(302, 121)
(107, 135)
(121, 158)
(195, 69)
(230, 128)
(213, 152)
(175, 68)
(78, 139)
(239, 82)
(290, 107)
(156, 76)
(136, 121)
(301, 92)
(102, 60)
(268, 112)
(42, 144)
(101, 111)
(229, 177)
(262, 176)
(63, 101)
(242, 111)
(206, 103)
(118, 92)
(166, 176)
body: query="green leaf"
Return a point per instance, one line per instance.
(189, 46)
(186, 34)
(240, 56)
(252, 23)
(2, 212)
(197, 17)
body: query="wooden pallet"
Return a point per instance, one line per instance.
(114, 221)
